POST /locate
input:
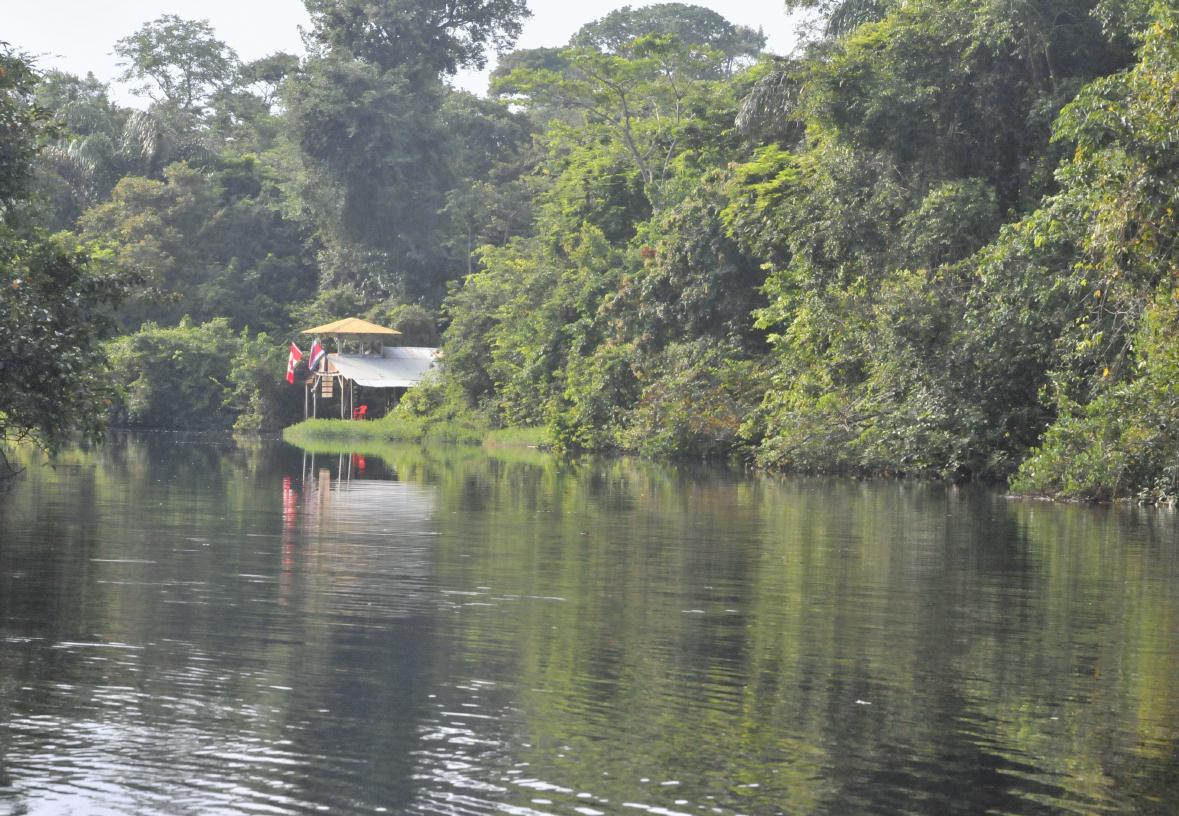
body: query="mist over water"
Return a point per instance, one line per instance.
(211, 627)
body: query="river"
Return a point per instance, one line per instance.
(210, 626)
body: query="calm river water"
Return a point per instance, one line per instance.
(196, 627)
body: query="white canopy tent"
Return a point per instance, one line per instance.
(397, 367)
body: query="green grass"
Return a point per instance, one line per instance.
(407, 441)
(517, 438)
(340, 430)
(399, 427)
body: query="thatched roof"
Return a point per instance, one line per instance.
(350, 325)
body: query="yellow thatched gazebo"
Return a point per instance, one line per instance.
(353, 328)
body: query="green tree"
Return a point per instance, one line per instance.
(96, 144)
(23, 128)
(426, 37)
(366, 116)
(417, 324)
(1114, 368)
(691, 281)
(924, 131)
(570, 325)
(493, 161)
(176, 377)
(257, 396)
(375, 162)
(81, 165)
(54, 294)
(840, 17)
(177, 63)
(54, 302)
(265, 75)
(739, 46)
(208, 243)
(646, 100)
(963, 90)
(695, 397)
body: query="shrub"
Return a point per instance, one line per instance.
(173, 377)
(1124, 443)
(693, 402)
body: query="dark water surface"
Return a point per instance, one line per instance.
(219, 628)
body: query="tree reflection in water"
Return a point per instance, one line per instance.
(215, 627)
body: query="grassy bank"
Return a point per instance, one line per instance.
(401, 428)
(517, 438)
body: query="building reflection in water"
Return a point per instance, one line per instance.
(356, 570)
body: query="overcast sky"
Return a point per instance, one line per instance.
(77, 35)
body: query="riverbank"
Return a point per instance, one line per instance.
(340, 434)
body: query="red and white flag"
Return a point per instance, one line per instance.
(317, 353)
(295, 357)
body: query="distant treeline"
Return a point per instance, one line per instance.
(939, 240)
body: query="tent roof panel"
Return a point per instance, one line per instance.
(395, 368)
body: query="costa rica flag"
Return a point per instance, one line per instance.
(317, 353)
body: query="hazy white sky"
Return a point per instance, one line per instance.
(77, 35)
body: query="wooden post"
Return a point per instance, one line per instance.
(343, 402)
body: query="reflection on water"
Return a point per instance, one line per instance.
(210, 627)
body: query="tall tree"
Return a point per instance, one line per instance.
(692, 25)
(23, 128)
(52, 294)
(365, 114)
(81, 165)
(375, 161)
(176, 62)
(840, 17)
(209, 243)
(423, 35)
(1112, 237)
(922, 131)
(644, 100)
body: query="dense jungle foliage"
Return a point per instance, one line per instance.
(939, 239)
